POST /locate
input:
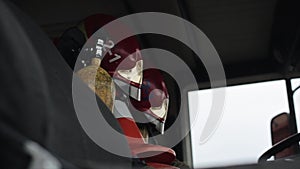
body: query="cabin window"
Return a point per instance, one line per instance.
(296, 83)
(244, 131)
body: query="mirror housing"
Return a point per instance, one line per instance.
(280, 130)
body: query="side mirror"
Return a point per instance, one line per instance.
(280, 130)
(285, 143)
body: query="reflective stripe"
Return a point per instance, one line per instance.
(121, 110)
(130, 90)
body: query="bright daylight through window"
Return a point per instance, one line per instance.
(244, 131)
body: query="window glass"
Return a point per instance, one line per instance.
(295, 83)
(244, 131)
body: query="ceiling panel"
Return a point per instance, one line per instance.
(239, 29)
